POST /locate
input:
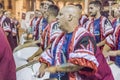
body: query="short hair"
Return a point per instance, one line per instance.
(4, 11)
(96, 3)
(53, 9)
(49, 1)
(1, 5)
(79, 6)
(41, 4)
(37, 10)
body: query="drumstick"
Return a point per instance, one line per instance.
(30, 63)
(110, 62)
(51, 79)
(26, 65)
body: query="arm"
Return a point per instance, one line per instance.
(38, 53)
(106, 50)
(102, 43)
(114, 53)
(68, 67)
(42, 70)
(7, 33)
(45, 60)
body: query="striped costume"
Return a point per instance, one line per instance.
(35, 22)
(49, 34)
(5, 23)
(114, 42)
(100, 28)
(78, 48)
(115, 22)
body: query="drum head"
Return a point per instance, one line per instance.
(30, 72)
(116, 71)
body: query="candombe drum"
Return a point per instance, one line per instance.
(115, 71)
(29, 72)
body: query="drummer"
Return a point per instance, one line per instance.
(73, 54)
(102, 30)
(50, 32)
(112, 46)
(44, 6)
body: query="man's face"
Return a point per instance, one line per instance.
(62, 19)
(47, 14)
(38, 13)
(44, 7)
(92, 10)
(117, 12)
(8, 14)
(46, 4)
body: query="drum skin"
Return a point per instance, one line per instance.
(30, 72)
(116, 71)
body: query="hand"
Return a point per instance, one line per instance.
(30, 59)
(36, 58)
(110, 62)
(42, 70)
(113, 53)
(52, 69)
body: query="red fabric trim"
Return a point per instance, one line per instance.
(58, 38)
(42, 60)
(48, 54)
(49, 31)
(70, 49)
(109, 33)
(84, 52)
(39, 21)
(44, 33)
(89, 25)
(85, 63)
(52, 40)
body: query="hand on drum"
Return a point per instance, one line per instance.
(42, 70)
(30, 59)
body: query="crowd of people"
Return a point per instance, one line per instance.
(72, 45)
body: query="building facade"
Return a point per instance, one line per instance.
(17, 7)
